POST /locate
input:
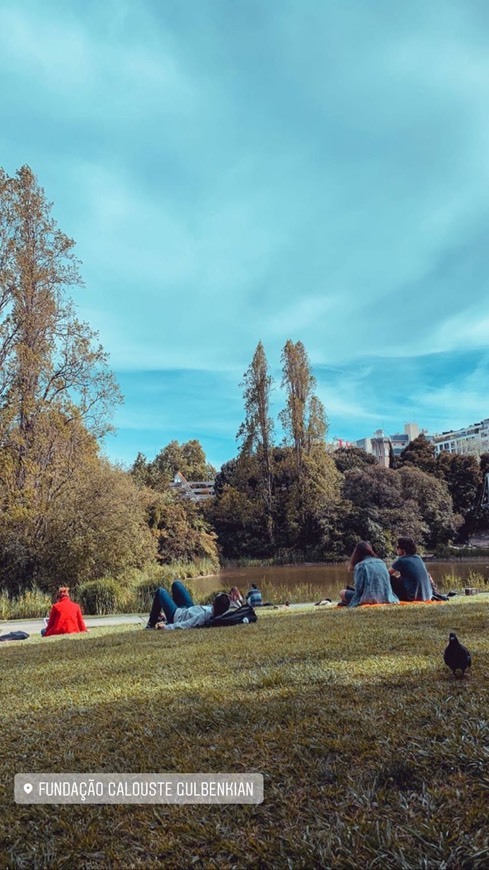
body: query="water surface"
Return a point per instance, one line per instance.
(327, 580)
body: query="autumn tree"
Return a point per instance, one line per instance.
(49, 358)
(55, 387)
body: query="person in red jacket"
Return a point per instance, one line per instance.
(65, 617)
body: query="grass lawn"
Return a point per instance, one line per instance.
(373, 754)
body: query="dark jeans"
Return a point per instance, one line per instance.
(398, 589)
(180, 597)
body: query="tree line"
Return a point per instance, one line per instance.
(68, 514)
(303, 499)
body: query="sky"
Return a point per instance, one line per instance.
(243, 170)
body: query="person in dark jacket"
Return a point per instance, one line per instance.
(65, 616)
(409, 578)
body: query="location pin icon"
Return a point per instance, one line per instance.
(28, 787)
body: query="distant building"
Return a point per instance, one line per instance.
(474, 439)
(194, 490)
(400, 440)
(379, 444)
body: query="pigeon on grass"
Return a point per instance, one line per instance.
(456, 656)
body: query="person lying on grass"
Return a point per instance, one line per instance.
(372, 581)
(65, 616)
(237, 599)
(180, 611)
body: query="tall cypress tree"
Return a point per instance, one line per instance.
(303, 418)
(256, 431)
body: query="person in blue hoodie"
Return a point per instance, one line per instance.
(372, 582)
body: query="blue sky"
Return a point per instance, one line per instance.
(240, 170)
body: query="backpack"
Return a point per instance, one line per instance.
(14, 635)
(236, 616)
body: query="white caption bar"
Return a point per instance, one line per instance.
(139, 788)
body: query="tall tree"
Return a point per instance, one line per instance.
(49, 358)
(56, 391)
(256, 431)
(303, 418)
(462, 475)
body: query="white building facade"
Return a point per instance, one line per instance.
(473, 439)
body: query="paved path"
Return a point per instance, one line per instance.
(33, 626)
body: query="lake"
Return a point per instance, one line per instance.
(326, 581)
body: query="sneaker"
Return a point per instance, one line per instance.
(148, 626)
(451, 594)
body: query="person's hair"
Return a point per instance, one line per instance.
(408, 545)
(221, 604)
(254, 586)
(63, 590)
(361, 551)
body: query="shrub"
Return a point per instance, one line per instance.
(30, 605)
(143, 595)
(4, 606)
(476, 578)
(98, 597)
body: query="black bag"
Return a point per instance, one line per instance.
(236, 616)
(14, 635)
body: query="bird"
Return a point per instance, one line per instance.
(456, 656)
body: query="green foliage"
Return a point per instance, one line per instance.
(187, 458)
(303, 502)
(256, 431)
(179, 529)
(464, 478)
(346, 458)
(434, 504)
(303, 418)
(420, 454)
